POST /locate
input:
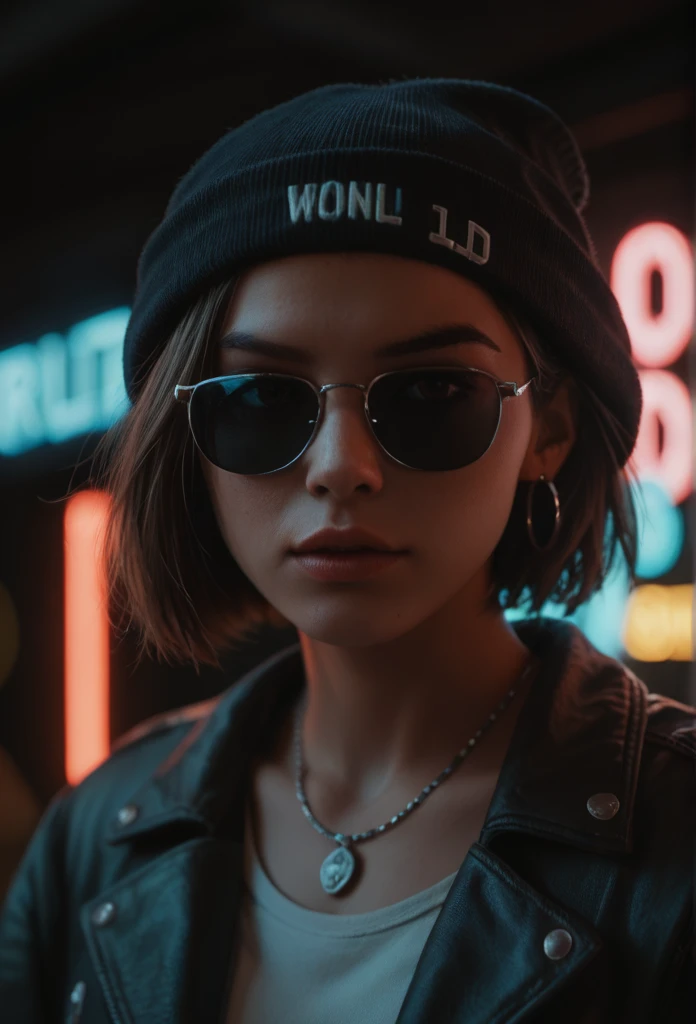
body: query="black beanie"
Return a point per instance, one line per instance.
(473, 176)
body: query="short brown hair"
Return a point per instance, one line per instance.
(170, 571)
(598, 514)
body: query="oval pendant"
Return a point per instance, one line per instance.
(336, 870)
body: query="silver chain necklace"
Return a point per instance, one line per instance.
(339, 867)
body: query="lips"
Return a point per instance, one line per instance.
(342, 551)
(349, 540)
(346, 566)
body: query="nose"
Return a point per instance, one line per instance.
(344, 452)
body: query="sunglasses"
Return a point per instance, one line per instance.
(432, 418)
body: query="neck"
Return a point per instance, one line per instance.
(393, 716)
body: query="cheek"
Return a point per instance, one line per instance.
(465, 513)
(467, 523)
(248, 513)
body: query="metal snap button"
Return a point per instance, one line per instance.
(558, 944)
(128, 814)
(77, 998)
(78, 993)
(603, 806)
(103, 914)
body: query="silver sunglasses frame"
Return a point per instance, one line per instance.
(506, 389)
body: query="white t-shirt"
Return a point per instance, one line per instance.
(299, 966)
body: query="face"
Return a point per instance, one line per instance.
(340, 309)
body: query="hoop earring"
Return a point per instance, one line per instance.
(557, 513)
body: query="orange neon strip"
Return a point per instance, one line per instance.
(87, 739)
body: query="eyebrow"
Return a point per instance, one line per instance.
(433, 338)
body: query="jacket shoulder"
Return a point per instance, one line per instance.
(133, 758)
(671, 723)
(165, 721)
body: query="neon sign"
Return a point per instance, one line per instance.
(86, 666)
(658, 338)
(666, 408)
(658, 621)
(659, 624)
(63, 386)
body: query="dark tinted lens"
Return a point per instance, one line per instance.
(435, 419)
(250, 425)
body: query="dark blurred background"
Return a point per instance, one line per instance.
(106, 105)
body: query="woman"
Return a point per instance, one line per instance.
(420, 812)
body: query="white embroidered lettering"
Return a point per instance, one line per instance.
(440, 238)
(485, 237)
(381, 216)
(302, 204)
(356, 200)
(332, 200)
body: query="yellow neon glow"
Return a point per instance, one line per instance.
(659, 623)
(87, 739)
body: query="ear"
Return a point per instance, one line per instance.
(553, 433)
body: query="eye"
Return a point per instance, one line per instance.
(438, 388)
(265, 392)
(434, 388)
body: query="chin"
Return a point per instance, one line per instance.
(359, 627)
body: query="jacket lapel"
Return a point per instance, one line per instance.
(579, 734)
(578, 739)
(485, 957)
(164, 957)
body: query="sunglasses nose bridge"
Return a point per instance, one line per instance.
(364, 388)
(330, 387)
(321, 391)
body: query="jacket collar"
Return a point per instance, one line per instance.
(579, 735)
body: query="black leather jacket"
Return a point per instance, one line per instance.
(123, 907)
